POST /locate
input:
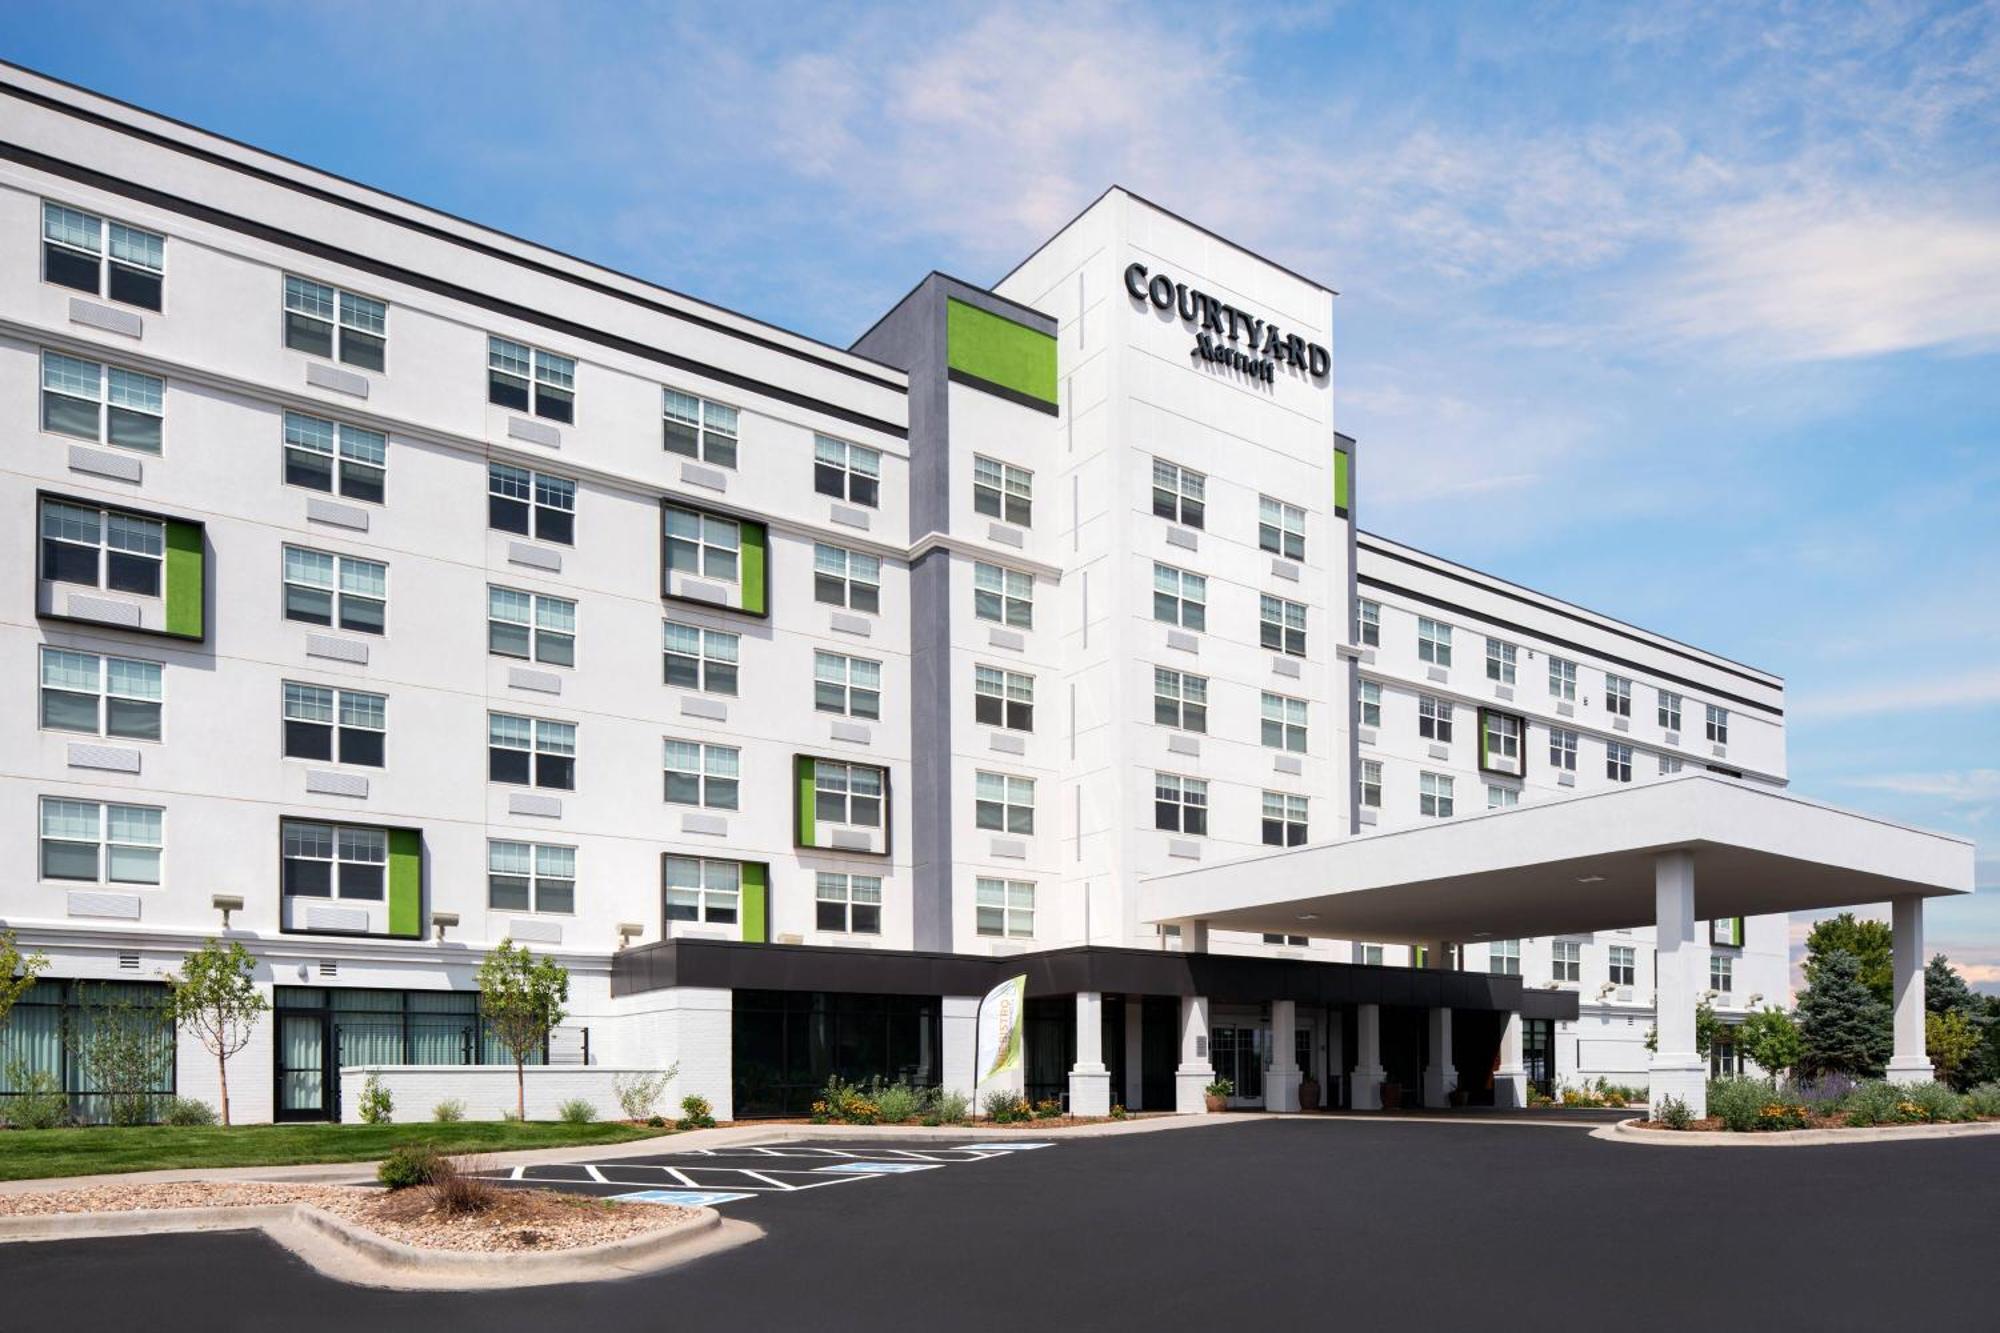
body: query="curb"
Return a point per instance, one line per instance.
(1628, 1131)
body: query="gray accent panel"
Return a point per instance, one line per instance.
(1284, 569)
(1365, 735)
(703, 592)
(694, 474)
(1287, 666)
(1366, 656)
(1005, 535)
(1565, 709)
(1504, 692)
(708, 708)
(851, 517)
(545, 682)
(1621, 724)
(1180, 744)
(323, 783)
(1012, 849)
(534, 432)
(1184, 849)
(530, 803)
(843, 623)
(1288, 763)
(1719, 751)
(340, 381)
(714, 825)
(109, 318)
(930, 730)
(1181, 639)
(1367, 815)
(109, 758)
(848, 840)
(1437, 673)
(1183, 538)
(105, 463)
(103, 610)
(1003, 743)
(851, 731)
(535, 557)
(1565, 779)
(336, 918)
(330, 511)
(92, 902)
(1006, 638)
(539, 932)
(1440, 752)
(340, 650)
(1673, 738)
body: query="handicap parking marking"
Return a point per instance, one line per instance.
(685, 1198)
(876, 1168)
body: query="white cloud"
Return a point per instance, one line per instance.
(1975, 688)
(1969, 787)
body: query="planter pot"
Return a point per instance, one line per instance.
(1215, 1104)
(1392, 1096)
(1309, 1095)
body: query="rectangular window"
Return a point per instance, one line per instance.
(1567, 960)
(1617, 761)
(1180, 598)
(1670, 711)
(1721, 973)
(1718, 724)
(1562, 749)
(1371, 955)
(1617, 695)
(1371, 783)
(531, 751)
(1281, 528)
(103, 548)
(1503, 958)
(1180, 805)
(532, 504)
(1284, 723)
(527, 379)
(1433, 642)
(696, 428)
(1180, 700)
(849, 794)
(1434, 799)
(1624, 965)
(337, 726)
(706, 545)
(530, 877)
(1500, 662)
(1371, 703)
(1004, 596)
(109, 259)
(698, 889)
(1501, 743)
(1434, 718)
(1284, 819)
(850, 472)
(96, 842)
(86, 400)
(1499, 797)
(700, 659)
(1369, 617)
(1179, 494)
(849, 904)
(1003, 491)
(1562, 679)
(334, 860)
(1005, 908)
(326, 589)
(1669, 764)
(710, 776)
(1281, 625)
(1002, 698)
(1004, 803)
(101, 696)
(325, 321)
(334, 457)
(850, 686)
(847, 578)
(530, 625)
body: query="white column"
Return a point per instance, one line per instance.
(1336, 1057)
(1135, 1052)
(1440, 1075)
(960, 1038)
(1909, 1063)
(1195, 1072)
(1678, 1069)
(1510, 1080)
(1194, 936)
(1089, 1080)
(1365, 1091)
(1281, 1075)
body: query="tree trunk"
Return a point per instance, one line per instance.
(520, 1093)
(222, 1074)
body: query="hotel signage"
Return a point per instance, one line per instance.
(1225, 334)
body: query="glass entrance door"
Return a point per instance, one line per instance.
(1239, 1054)
(302, 1067)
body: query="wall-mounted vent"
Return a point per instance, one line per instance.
(128, 962)
(329, 968)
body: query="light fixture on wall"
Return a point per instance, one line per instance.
(443, 921)
(1756, 998)
(1606, 989)
(629, 931)
(226, 903)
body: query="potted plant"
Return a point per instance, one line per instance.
(1309, 1093)
(1217, 1094)
(1392, 1096)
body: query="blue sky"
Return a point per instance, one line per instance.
(1687, 312)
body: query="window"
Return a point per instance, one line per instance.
(1180, 699)
(530, 625)
(130, 270)
(1562, 749)
(1003, 698)
(530, 877)
(1566, 960)
(1371, 703)
(704, 544)
(1003, 491)
(1180, 805)
(106, 405)
(851, 904)
(527, 379)
(696, 428)
(1284, 819)
(1500, 743)
(1500, 662)
(1503, 958)
(102, 548)
(1562, 679)
(531, 751)
(1433, 642)
(1371, 783)
(1295, 942)
(1004, 803)
(850, 472)
(1718, 724)
(344, 726)
(1006, 596)
(1369, 614)
(326, 589)
(850, 686)
(1005, 907)
(847, 578)
(331, 456)
(334, 860)
(1281, 625)
(101, 842)
(700, 659)
(1499, 797)
(1617, 695)
(1178, 494)
(848, 794)
(1434, 718)
(1434, 796)
(1617, 761)
(531, 503)
(1670, 710)
(1180, 598)
(100, 696)
(1624, 965)
(1669, 763)
(1281, 528)
(325, 321)
(1721, 972)
(1371, 954)
(705, 775)
(699, 889)
(1284, 723)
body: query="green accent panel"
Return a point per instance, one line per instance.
(998, 350)
(1340, 465)
(756, 902)
(186, 567)
(808, 826)
(756, 545)
(406, 883)
(1485, 744)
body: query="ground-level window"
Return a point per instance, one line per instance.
(321, 1029)
(66, 1031)
(1624, 965)
(786, 1044)
(1371, 954)
(1567, 960)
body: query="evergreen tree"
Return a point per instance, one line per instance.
(1945, 991)
(1843, 1027)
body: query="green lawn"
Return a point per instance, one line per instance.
(28, 1154)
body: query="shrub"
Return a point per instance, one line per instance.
(510, 1117)
(637, 1093)
(844, 1103)
(1118, 1111)
(377, 1103)
(576, 1111)
(656, 1121)
(1984, 1099)
(696, 1113)
(186, 1111)
(409, 1166)
(455, 1193)
(1936, 1103)
(1004, 1106)
(1673, 1113)
(449, 1111)
(897, 1102)
(1780, 1114)
(1875, 1103)
(945, 1107)
(1824, 1095)
(38, 1101)
(1048, 1108)
(1737, 1102)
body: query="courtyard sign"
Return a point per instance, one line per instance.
(1226, 334)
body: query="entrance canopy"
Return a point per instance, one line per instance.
(1582, 864)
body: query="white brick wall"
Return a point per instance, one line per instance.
(489, 1090)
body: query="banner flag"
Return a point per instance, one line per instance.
(998, 1048)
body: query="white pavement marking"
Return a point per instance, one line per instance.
(595, 1175)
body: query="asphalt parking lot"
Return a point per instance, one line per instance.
(1404, 1223)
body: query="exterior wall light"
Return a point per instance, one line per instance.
(442, 921)
(629, 931)
(226, 903)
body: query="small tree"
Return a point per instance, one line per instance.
(1707, 1029)
(1945, 991)
(1843, 1028)
(1951, 1041)
(216, 998)
(1870, 943)
(521, 998)
(1771, 1038)
(17, 973)
(123, 1052)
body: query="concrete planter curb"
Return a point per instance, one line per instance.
(1628, 1131)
